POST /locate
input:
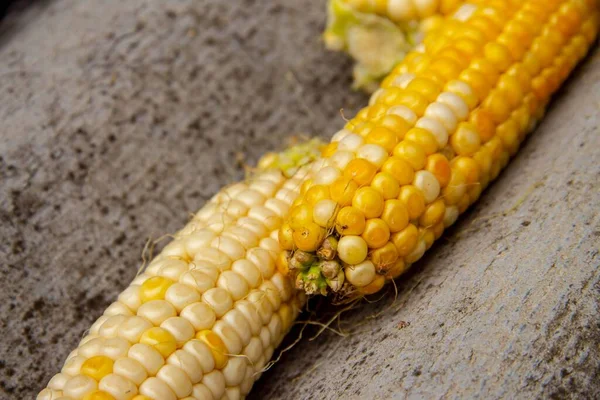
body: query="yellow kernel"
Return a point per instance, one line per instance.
(98, 395)
(498, 54)
(395, 124)
(285, 236)
(385, 184)
(329, 149)
(309, 237)
(395, 215)
(342, 191)
(425, 87)
(413, 199)
(412, 153)
(406, 240)
(155, 288)
(397, 269)
(316, 193)
(400, 169)
(350, 221)
(413, 100)
(216, 346)
(360, 171)
(369, 201)
(384, 257)
(423, 138)
(465, 140)
(97, 367)
(300, 215)
(427, 236)
(373, 287)
(484, 124)
(446, 67)
(161, 339)
(439, 166)
(476, 80)
(383, 137)
(433, 214)
(376, 233)
(469, 168)
(456, 187)
(352, 249)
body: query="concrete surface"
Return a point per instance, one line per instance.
(121, 117)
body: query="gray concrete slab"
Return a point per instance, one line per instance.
(119, 118)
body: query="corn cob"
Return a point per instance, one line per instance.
(379, 33)
(441, 127)
(203, 319)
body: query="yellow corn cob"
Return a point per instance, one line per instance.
(441, 127)
(203, 319)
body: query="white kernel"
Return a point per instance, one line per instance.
(258, 228)
(265, 339)
(130, 369)
(265, 216)
(274, 176)
(351, 142)
(279, 207)
(232, 248)
(262, 258)
(218, 222)
(324, 212)
(201, 353)
(456, 103)
(119, 387)
(327, 175)
(198, 240)
(214, 256)
(361, 274)
(78, 386)
(235, 371)
(117, 308)
(201, 276)
(283, 285)
(115, 348)
(253, 350)
(404, 112)
(147, 356)
(286, 195)
(245, 237)
(232, 340)
(181, 329)
(188, 364)
(175, 249)
(49, 394)
(234, 189)
(233, 283)
(131, 297)
(235, 208)
(157, 389)
(275, 329)
(428, 184)
(403, 80)
(172, 269)
(176, 379)
(57, 382)
(110, 327)
(339, 135)
(99, 322)
(464, 12)
(264, 187)
(450, 215)
(215, 382)
(249, 311)
(91, 348)
(235, 319)
(206, 212)
(263, 306)
(341, 158)
(200, 315)
(181, 295)
(436, 128)
(73, 365)
(250, 198)
(233, 393)
(373, 153)
(401, 10)
(248, 381)
(156, 311)
(461, 88)
(443, 114)
(132, 329)
(247, 270)
(272, 294)
(219, 300)
(200, 391)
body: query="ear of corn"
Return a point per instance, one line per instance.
(203, 319)
(442, 126)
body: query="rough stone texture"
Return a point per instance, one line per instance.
(121, 117)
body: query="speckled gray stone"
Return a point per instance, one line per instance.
(119, 118)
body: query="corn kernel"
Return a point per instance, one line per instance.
(350, 221)
(97, 367)
(406, 240)
(399, 169)
(216, 346)
(376, 233)
(352, 249)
